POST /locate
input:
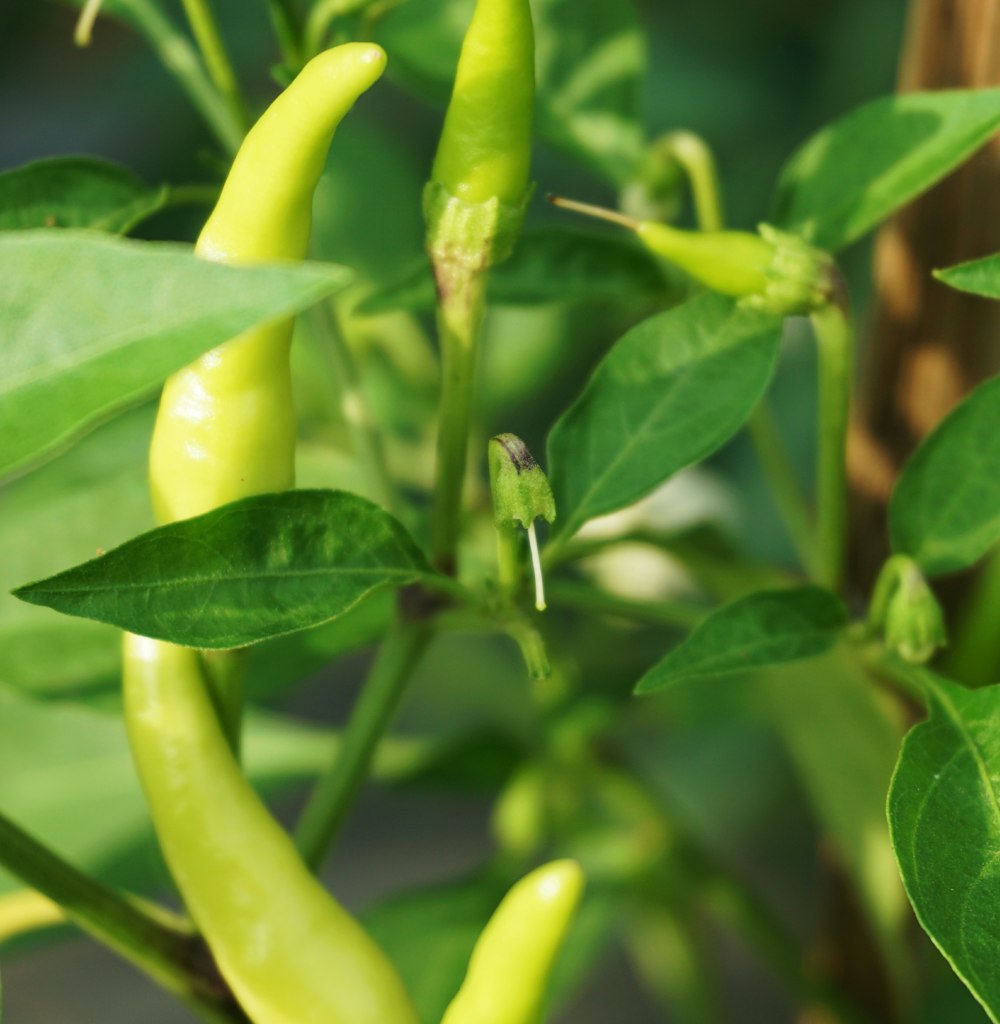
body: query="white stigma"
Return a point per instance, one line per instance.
(536, 565)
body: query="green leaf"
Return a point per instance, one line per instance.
(855, 172)
(944, 819)
(669, 393)
(980, 277)
(76, 192)
(549, 265)
(590, 62)
(93, 498)
(257, 568)
(91, 323)
(945, 508)
(766, 628)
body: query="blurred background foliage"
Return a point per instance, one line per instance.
(743, 771)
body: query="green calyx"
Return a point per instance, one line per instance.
(521, 491)
(772, 271)
(905, 611)
(485, 147)
(469, 237)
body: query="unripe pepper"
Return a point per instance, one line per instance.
(511, 964)
(485, 146)
(288, 950)
(479, 187)
(772, 271)
(226, 427)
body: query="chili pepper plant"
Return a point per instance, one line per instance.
(529, 463)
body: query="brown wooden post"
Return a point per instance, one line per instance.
(927, 344)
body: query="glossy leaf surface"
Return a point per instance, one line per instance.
(669, 393)
(257, 568)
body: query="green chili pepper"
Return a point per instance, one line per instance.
(479, 188)
(772, 271)
(226, 427)
(513, 959)
(485, 147)
(289, 952)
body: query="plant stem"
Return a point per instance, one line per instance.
(365, 437)
(335, 792)
(180, 58)
(213, 51)
(285, 20)
(696, 160)
(175, 960)
(974, 657)
(835, 344)
(784, 486)
(509, 559)
(460, 312)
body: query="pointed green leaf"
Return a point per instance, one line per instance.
(855, 172)
(945, 508)
(980, 277)
(944, 818)
(261, 567)
(669, 393)
(90, 323)
(766, 628)
(76, 192)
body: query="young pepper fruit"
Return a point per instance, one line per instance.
(772, 270)
(288, 950)
(479, 187)
(511, 964)
(226, 427)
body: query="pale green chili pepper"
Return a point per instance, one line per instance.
(226, 425)
(288, 950)
(511, 964)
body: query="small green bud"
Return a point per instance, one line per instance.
(905, 610)
(521, 491)
(521, 494)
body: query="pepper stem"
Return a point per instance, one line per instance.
(835, 345)
(460, 312)
(590, 210)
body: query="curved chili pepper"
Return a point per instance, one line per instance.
(510, 966)
(226, 427)
(225, 430)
